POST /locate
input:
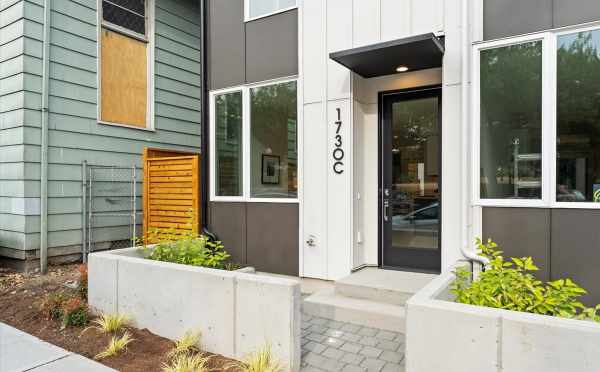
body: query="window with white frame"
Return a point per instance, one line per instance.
(537, 101)
(254, 142)
(262, 8)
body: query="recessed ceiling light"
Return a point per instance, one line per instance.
(402, 69)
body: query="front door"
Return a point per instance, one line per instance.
(410, 168)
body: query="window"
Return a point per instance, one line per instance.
(537, 99)
(125, 63)
(228, 132)
(254, 143)
(273, 141)
(262, 8)
(511, 124)
(578, 117)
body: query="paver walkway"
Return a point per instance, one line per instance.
(20, 351)
(328, 345)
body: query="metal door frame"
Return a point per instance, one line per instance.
(411, 93)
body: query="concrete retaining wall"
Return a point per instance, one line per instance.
(445, 336)
(236, 312)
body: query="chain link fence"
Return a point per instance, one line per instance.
(112, 215)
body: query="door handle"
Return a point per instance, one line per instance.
(386, 206)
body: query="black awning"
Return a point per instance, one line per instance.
(416, 53)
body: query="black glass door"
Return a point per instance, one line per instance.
(410, 192)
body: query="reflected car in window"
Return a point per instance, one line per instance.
(426, 219)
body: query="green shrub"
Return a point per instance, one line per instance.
(52, 305)
(186, 247)
(195, 251)
(82, 286)
(75, 313)
(511, 285)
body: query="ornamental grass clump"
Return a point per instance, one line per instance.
(188, 363)
(187, 344)
(110, 323)
(116, 345)
(511, 285)
(262, 360)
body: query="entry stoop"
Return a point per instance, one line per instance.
(370, 297)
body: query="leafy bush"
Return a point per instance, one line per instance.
(511, 285)
(186, 247)
(52, 305)
(70, 309)
(75, 313)
(82, 286)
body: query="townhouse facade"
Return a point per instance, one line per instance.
(338, 134)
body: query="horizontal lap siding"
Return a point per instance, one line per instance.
(14, 89)
(75, 135)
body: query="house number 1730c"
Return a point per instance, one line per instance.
(338, 151)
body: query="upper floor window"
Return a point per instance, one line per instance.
(537, 103)
(127, 14)
(125, 64)
(262, 8)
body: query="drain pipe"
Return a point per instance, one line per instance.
(466, 211)
(44, 143)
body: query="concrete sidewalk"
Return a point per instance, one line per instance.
(20, 351)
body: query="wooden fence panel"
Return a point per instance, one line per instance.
(171, 191)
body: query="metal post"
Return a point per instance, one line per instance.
(89, 221)
(83, 210)
(133, 205)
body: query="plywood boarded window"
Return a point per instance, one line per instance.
(124, 61)
(171, 191)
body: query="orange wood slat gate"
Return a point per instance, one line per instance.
(171, 190)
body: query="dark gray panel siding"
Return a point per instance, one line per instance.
(273, 237)
(503, 18)
(576, 249)
(263, 235)
(565, 243)
(521, 232)
(228, 221)
(246, 52)
(227, 43)
(272, 47)
(570, 12)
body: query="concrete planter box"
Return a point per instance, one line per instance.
(236, 311)
(446, 336)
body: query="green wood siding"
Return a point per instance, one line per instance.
(74, 133)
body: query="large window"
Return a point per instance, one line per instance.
(255, 144)
(578, 117)
(125, 63)
(537, 99)
(261, 8)
(511, 121)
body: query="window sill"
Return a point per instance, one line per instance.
(250, 19)
(233, 199)
(128, 126)
(502, 203)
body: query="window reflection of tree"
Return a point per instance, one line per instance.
(578, 114)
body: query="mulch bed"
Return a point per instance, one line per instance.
(20, 297)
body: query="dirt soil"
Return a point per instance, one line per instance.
(20, 297)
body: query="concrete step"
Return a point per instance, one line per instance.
(332, 305)
(386, 286)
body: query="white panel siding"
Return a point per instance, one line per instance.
(314, 57)
(314, 190)
(395, 19)
(366, 22)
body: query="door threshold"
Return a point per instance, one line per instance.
(410, 269)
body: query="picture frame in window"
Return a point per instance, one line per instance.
(271, 169)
